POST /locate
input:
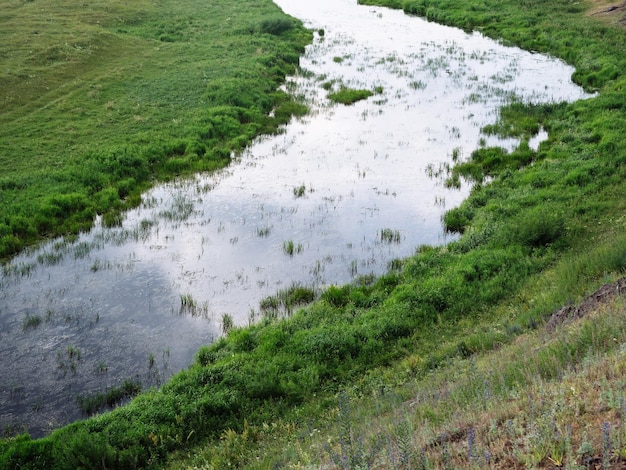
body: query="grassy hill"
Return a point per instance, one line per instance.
(99, 99)
(488, 352)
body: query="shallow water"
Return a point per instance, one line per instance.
(77, 318)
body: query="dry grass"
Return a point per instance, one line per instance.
(476, 413)
(546, 400)
(612, 13)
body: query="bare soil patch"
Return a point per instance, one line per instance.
(603, 295)
(611, 12)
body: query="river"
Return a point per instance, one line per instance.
(338, 194)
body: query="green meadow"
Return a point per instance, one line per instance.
(101, 99)
(489, 352)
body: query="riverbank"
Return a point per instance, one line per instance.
(99, 101)
(546, 230)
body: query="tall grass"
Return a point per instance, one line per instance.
(96, 402)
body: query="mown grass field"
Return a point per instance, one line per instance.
(100, 99)
(450, 360)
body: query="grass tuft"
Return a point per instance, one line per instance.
(349, 96)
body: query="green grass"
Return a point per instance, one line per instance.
(31, 322)
(444, 361)
(349, 96)
(290, 248)
(98, 100)
(502, 408)
(299, 191)
(96, 402)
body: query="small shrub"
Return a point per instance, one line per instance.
(244, 340)
(359, 299)
(538, 227)
(207, 355)
(275, 25)
(337, 296)
(9, 244)
(456, 220)
(177, 165)
(328, 345)
(19, 226)
(297, 295)
(125, 187)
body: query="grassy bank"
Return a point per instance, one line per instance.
(447, 361)
(546, 397)
(98, 100)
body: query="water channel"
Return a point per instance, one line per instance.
(80, 317)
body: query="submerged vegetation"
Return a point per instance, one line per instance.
(100, 99)
(428, 366)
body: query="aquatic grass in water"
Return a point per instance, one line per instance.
(290, 248)
(388, 235)
(299, 191)
(263, 232)
(31, 322)
(286, 300)
(227, 323)
(189, 305)
(349, 96)
(96, 402)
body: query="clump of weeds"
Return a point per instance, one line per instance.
(31, 322)
(299, 191)
(190, 306)
(290, 248)
(91, 404)
(388, 235)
